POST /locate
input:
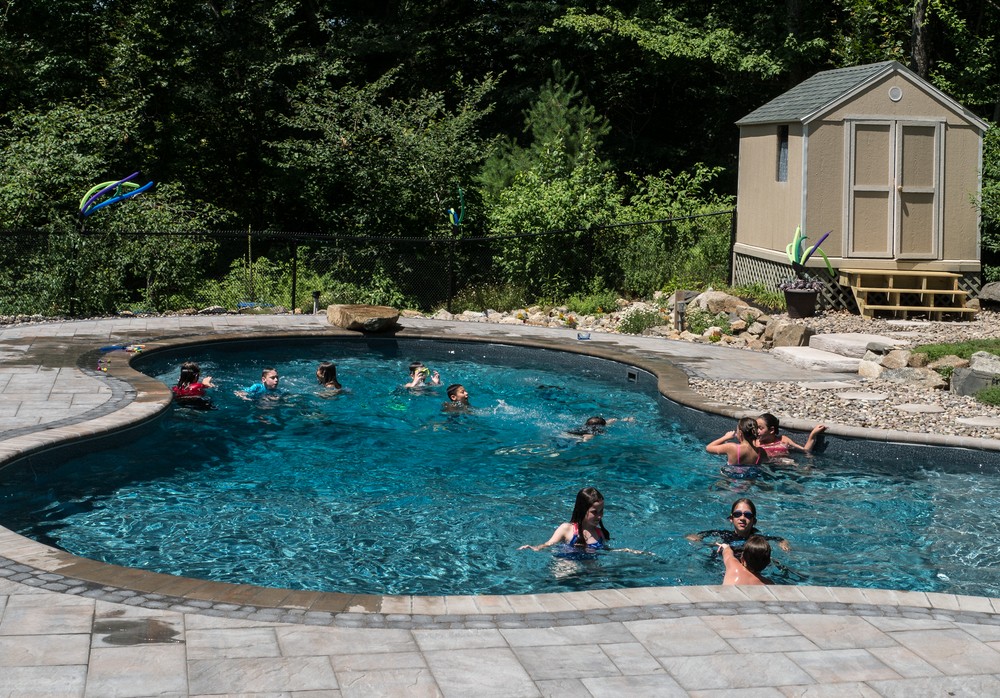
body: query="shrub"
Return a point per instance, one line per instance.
(500, 297)
(697, 321)
(761, 296)
(638, 319)
(989, 396)
(597, 300)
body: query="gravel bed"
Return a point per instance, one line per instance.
(791, 400)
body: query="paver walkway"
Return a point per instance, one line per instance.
(70, 627)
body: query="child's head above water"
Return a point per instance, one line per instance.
(190, 371)
(756, 554)
(767, 423)
(458, 393)
(326, 373)
(269, 377)
(418, 368)
(747, 428)
(588, 510)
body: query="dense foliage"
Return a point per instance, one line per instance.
(364, 119)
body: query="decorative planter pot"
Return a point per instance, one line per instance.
(801, 303)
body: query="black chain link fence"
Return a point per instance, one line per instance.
(75, 273)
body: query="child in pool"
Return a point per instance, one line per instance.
(421, 376)
(746, 570)
(777, 445)
(458, 399)
(191, 386)
(594, 426)
(742, 452)
(268, 385)
(326, 374)
(743, 516)
(585, 527)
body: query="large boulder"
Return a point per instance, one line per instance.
(985, 361)
(363, 318)
(968, 381)
(989, 296)
(716, 302)
(783, 333)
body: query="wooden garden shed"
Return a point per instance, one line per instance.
(884, 161)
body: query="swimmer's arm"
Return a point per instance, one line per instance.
(435, 378)
(696, 537)
(719, 446)
(207, 382)
(728, 558)
(562, 534)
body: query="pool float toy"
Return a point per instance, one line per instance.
(119, 190)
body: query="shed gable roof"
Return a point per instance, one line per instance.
(824, 90)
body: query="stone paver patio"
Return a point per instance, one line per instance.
(74, 627)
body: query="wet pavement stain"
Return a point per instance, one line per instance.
(142, 631)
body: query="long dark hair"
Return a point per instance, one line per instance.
(770, 421)
(190, 371)
(327, 373)
(586, 498)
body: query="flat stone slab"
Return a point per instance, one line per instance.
(862, 395)
(851, 344)
(363, 318)
(828, 385)
(919, 408)
(817, 359)
(980, 421)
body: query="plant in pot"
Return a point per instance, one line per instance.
(800, 296)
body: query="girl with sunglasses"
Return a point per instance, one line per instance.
(743, 516)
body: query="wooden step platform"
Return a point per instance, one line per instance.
(902, 293)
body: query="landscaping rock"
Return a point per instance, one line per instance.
(716, 302)
(213, 310)
(968, 381)
(443, 315)
(918, 377)
(852, 343)
(990, 294)
(985, 361)
(363, 318)
(816, 359)
(949, 361)
(789, 334)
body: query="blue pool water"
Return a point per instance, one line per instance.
(379, 491)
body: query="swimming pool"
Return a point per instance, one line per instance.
(378, 491)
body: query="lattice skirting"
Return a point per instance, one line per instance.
(753, 270)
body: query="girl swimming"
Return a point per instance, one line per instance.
(190, 388)
(777, 445)
(742, 452)
(743, 515)
(585, 528)
(326, 374)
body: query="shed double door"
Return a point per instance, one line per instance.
(894, 189)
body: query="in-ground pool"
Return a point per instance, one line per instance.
(378, 491)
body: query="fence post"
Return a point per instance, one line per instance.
(732, 247)
(451, 264)
(295, 272)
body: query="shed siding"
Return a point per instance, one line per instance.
(768, 210)
(961, 186)
(825, 188)
(874, 102)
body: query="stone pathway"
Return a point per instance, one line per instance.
(72, 627)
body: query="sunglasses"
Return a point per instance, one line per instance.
(742, 515)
